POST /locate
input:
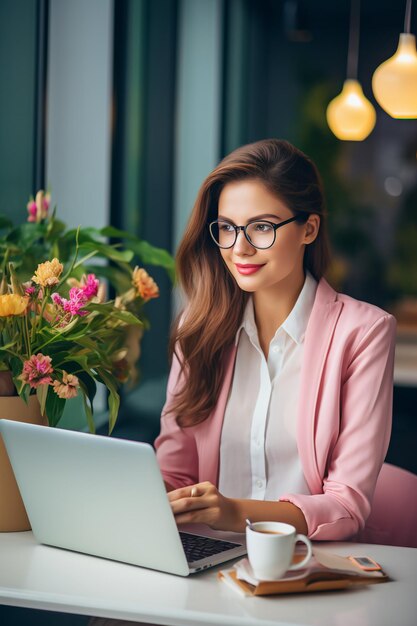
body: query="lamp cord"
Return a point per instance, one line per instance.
(353, 49)
(407, 20)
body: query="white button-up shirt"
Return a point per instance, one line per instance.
(258, 449)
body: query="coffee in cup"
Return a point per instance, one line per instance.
(271, 548)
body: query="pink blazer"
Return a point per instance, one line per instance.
(343, 418)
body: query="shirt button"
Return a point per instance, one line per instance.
(259, 483)
(276, 349)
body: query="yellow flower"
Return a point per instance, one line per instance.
(12, 304)
(48, 273)
(144, 284)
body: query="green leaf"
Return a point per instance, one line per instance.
(54, 229)
(127, 317)
(9, 345)
(114, 398)
(114, 405)
(88, 412)
(47, 332)
(42, 392)
(54, 406)
(85, 234)
(154, 256)
(87, 380)
(5, 222)
(111, 231)
(81, 359)
(86, 342)
(89, 388)
(24, 393)
(148, 253)
(101, 307)
(124, 316)
(16, 366)
(25, 235)
(107, 251)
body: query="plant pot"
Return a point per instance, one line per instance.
(13, 515)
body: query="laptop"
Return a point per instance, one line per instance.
(105, 497)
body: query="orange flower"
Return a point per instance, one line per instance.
(144, 284)
(48, 273)
(13, 304)
(69, 386)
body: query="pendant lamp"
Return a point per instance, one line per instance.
(350, 116)
(394, 82)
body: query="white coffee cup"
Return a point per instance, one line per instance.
(271, 548)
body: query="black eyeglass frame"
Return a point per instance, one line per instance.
(243, 228)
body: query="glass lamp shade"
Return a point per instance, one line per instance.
(350, 115)
(394, 82)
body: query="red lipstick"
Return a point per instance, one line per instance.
(247, 268)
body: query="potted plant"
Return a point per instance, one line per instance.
(61, 334)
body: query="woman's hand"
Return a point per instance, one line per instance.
(204, 504)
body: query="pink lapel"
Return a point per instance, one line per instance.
(320, 329)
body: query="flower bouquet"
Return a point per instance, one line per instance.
(59, 334)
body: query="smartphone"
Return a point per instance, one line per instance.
(365, 563)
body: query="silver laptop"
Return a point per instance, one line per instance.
(106, 497)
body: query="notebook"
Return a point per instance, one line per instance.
(326, 571)
(105, 497)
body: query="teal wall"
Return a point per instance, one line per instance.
(18, 29)
(198, 102)
(79, 111)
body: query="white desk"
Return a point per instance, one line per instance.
(42, 577)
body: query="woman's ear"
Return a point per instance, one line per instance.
(312, 227)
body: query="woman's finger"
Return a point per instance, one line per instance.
(192, 517)
(192, 491)
(182, 492)
(192, 504)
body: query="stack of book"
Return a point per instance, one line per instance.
(325, 571)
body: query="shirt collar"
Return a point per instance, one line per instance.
(296, 323)
(248, 322)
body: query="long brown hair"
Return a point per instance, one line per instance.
(204, 333)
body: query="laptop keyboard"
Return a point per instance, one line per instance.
(197, 547)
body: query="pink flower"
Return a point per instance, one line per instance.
(57, 299)
(37, 371)
(69, 386)
(75, 303)
(32, 210)
(29, 290)
(90, 288)
(38, 208)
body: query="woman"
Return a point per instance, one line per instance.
(279, 399)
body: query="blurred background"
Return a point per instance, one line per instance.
(122, 107)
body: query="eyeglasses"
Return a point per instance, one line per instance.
(261, 234)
